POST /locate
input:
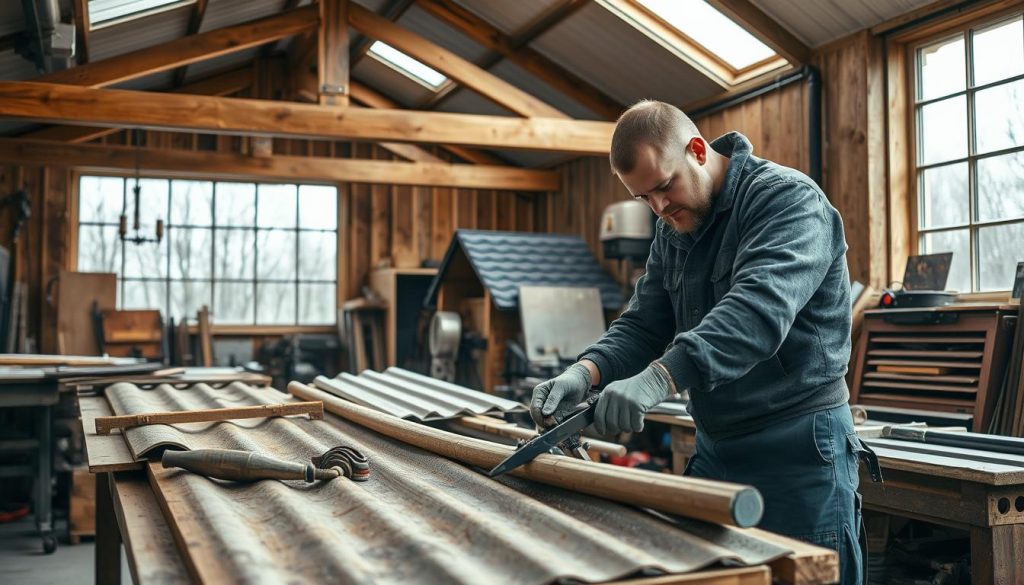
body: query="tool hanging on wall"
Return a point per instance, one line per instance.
(236, 465)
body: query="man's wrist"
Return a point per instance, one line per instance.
(595, 373)
(669, 382)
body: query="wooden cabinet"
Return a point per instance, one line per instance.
(404, 289)
(943, 359)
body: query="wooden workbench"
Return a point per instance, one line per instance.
(976, 491)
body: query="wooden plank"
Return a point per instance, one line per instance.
(455, 67)
(380, 218)
(925, 387)
(205, 337)
(901, 399)
(939, 465)
(153, 558)
(81, 10)
(105, 424)
(561, 79)
(806, 565)
(184, 163)
(82, 504)
(926, 367)
(925, 353)
(46, 102)
(760, 575)
(951, 340)
(195, 22)
(954, 379)
(332, 61)
(187, 50)
(76, 293)
(103, 453)
(765, 28)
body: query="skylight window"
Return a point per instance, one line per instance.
(407, 65)
(103, 11)
(716, 32)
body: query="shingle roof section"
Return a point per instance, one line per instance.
(505, 261)
(414, 396)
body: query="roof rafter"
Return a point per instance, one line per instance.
(515, 49)
(392, 12)
(81, 9)
(195, 22)
(455, 67)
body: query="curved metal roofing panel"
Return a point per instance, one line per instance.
(140, 33)
(418, 518)
(222, 13)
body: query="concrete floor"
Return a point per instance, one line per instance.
(22, 561)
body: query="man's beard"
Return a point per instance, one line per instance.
(691, 220)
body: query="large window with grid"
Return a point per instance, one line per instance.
(255, 253)
(970, 152)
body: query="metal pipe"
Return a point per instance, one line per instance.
(996, 443)
(813, 78)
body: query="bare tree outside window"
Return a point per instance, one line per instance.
(257, 254)
(970, 139)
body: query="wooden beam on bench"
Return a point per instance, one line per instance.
(45, 102)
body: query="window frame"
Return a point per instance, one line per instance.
(899, 42)
(254, 328)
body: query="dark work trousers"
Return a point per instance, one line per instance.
(806, 469)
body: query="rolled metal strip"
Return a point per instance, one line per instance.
(352, 464)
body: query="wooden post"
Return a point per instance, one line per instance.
(108, 534)
(332, 63)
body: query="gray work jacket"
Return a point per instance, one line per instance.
(753, 307)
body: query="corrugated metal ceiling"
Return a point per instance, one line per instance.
(822, 21)
(385, 80)
(419, 518)
(221, 13)
(509, 17)
(428, 27)
(126, 37)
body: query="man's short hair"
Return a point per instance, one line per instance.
(658, 124)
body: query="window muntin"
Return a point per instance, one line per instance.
(969, 116)
(257, 254)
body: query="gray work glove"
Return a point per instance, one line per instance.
(559, 395)
(623, 403)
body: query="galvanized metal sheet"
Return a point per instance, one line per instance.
(509, 17)
(412, 396)
(559, 322)
(818, 23)
(148, 31)
(418, 519)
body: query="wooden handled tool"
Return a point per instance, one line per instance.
(104, 424)
(234, 465)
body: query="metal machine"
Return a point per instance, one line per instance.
(627, 229)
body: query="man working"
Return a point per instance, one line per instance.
(747, 287)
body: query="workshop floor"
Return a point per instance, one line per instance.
(22, 561)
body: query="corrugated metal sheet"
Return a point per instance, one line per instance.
(620, 61)
(467, 100)
(412, 396)
(155, 82)
(418, 519)
(126, 37)
(504, 261)
(418, 21)
(509, 17)
(221, 13)
(391, 83)
(820, 22)
(524, 80)
(219, 64)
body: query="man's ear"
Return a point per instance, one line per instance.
(699, 148)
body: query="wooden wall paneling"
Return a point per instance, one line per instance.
(770, 104)
(465, 208)
(344, 257)
(441, 221)
(54, 254)
(506, 211)
(380, 228)
(752, 123)
(902, 223)
(524, 212)
(361, 218)
(403, 229)
(485, 209)
(876, 191)
(423, 223)
(791, 128)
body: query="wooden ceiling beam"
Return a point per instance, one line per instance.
(455, 67)
(195, 22)
(81, 8)
(47, 102)
(765, 28)
(188, 50)
(515, 49)
(332, 53)
(224, 84)
(392, 12)
(186, 163)
(372, 99)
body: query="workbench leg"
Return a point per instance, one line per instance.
(108, 535)
(44, 467)
(996, 554)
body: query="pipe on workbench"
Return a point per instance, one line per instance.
(996, 443)
(711, 501)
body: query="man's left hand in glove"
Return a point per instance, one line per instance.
(623, 403)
